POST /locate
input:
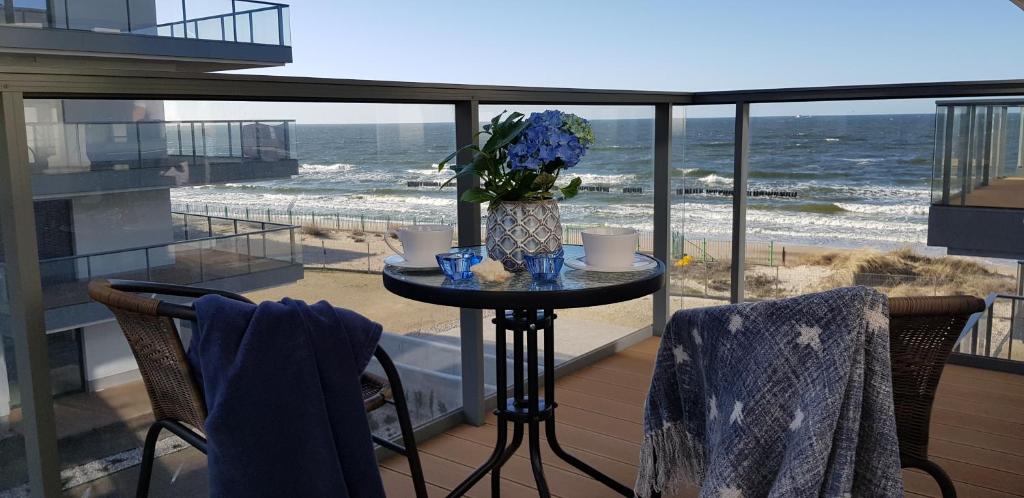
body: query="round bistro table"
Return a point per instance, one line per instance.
(526, 309)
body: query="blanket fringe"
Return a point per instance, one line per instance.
(669, 457)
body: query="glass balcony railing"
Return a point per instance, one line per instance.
(979, 154)
(206, 248)
(250, 21)
(158, 153)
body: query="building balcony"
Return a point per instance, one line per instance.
(978, 179)
(70, 159)
(253, 34)
(223, 253)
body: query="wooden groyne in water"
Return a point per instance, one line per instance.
(428, 184)
(792, 194)
(729, 192)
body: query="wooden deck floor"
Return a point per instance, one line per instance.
(1001, 193)
(977, 435)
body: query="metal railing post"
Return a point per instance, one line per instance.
(149, 277)
(988, 329)
(138, 142)
(741, 153)
(291, 245)
(280, 26)
(467, 122)
(947, 154)
(662, 211)
(987, 148)
(965, 169)
(1020, 139)
(184, 19)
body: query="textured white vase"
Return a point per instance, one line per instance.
(515, 228)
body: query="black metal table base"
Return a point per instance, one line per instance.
(526, 409)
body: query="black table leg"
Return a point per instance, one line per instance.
(497, 457)
(527, 408)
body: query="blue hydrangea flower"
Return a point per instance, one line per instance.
(550, 136)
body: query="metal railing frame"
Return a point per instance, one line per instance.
(278, 8)
(40, 435)
(979, 326)
(190, 126)
(265, 229)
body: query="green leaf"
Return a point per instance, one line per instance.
(569, 191)
(512, 134)
(477, 196)
(444, 162)
(462, 171)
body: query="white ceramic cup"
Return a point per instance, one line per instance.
(420, 243)
(610, 247)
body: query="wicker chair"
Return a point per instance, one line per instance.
(177, 400)
(922, 334)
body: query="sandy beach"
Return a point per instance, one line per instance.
(343, 267)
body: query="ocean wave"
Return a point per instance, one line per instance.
(599, 179)
(715, 180)
(337, 167)
(831, 139)
(904, 209)
(860, 161)
(692, 172)
(431, 171)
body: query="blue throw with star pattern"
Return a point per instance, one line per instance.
(788, 398)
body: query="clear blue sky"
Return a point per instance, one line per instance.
(662, 45)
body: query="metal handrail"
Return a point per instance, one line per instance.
(262, 2)
(194, 142)
(217, 16)
(279, 228)
(179, 122)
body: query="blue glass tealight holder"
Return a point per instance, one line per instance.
(456, 265)
(544, 266)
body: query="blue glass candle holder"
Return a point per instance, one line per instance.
(545, 266)
(456, 265)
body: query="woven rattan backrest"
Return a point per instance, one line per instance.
(158, 350)
(922, 333)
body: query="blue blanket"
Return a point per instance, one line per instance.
(281, 383)
(789, 398)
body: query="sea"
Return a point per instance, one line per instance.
(849, 181)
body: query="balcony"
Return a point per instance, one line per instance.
(255, 33)
(978, 178)
(216, 252)
(69, 159)
(604, 376)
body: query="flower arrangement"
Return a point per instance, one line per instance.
(522, 158)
